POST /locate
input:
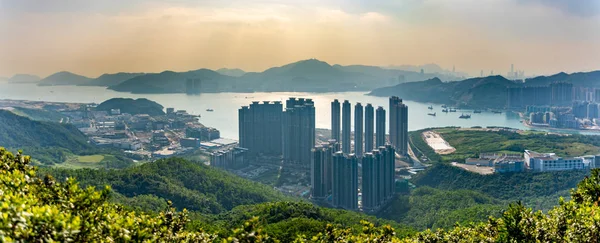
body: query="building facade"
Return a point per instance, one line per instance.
(540, 162)
(346, 109)
(345, 181)
(335, 120)
(369, 127)
(380, 127)
(358, 130)
(398, 125)
(298, 131)
(378, 178)
(260, 128)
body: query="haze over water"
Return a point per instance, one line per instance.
(226, 105)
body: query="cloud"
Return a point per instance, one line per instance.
(582, 8)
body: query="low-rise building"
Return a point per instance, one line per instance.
(540, 162)
(229, 159)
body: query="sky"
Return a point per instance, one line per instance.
(91, 37)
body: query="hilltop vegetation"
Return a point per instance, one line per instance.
(481, 92)
(486, 92)
(132, 106)
(64, 78)
(470, 143)
(35, 209)
(39, 114)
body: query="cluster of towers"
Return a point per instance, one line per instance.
(335, 166)
(266, 129)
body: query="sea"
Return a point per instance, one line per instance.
(224, 116)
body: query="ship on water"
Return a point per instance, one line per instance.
(452, 110)
(444, 110)
(463, 116)
(430, 107)
(431, 114)
(496, 112)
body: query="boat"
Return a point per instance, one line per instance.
(431, 114)
(210, 109)
(444, 106)
(476, 111)
(463, 116)
(496, 112)
(444, 110)
(452, 110)
(430, 107)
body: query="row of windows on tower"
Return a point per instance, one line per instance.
(335, 176)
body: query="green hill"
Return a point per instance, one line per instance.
(132, 106)
(486, 92)
(110, 79)
(64, 212)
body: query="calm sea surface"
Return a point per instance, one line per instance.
(226, 105)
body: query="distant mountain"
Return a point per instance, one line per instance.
(174, 82)
(24, 78)
(131, 106)
(583, 79)
(428, 68)
(395, 76)
(64, 78)
(111, 79)
(488, 92)
(233, 72)
(308, 76)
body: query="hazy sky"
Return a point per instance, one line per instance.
(91, 37)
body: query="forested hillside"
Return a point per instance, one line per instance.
(34, 208)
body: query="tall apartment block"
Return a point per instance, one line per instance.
(346, 109)
(335, 120)
(399, 125)
(322, 169)
(358, 130)
(318, 171)
(260, 128)
(345, 181)
(369, 127)
(380, 127)
(298, 130)
(378, 178)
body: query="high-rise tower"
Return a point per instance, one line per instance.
(260, 128)
(318, 171)
(358, 130)
(298, 130)
(346, 127)
(345, 181)
(380, 127)
(335, 120)
(399, 125)
(369, 126)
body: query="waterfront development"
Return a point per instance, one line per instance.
(225, 106)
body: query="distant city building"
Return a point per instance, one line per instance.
(378, 178)
(229, 159)
(580, 109)
(345, 181)
(358, 130)
(399, 125)
(537, 117)
(380, 127)
(335, 120)
(321, 160)
(369, 127)
(170, 111)
(592, 111)
(346, 109)
(556, 94)
(562, 93)
(540, 162)
(192, 86)
(203, 133)
(190, 142)
(260, 128)
(298, 130)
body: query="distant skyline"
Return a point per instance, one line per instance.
(107, 36)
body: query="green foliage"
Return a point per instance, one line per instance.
(190, 185)
(506, 186)
(34, 209)
(429, 208)
(420, 147)
(39, 114)
(470, 143)
(131, 106)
